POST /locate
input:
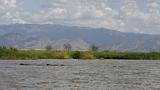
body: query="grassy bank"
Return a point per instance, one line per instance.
(14, 54)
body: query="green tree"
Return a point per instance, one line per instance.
(93, 47)
(67, 46)
(48, 47)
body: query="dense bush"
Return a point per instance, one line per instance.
(7, 53)
(76, 54)
(46, 54)
(128, 55)
(108, 55)
(14, 54)
(87, 55)
(62, 55)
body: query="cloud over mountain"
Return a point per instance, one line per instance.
(140, 16)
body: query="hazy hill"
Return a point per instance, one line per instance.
(36, 36)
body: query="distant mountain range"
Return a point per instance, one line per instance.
(38, 36)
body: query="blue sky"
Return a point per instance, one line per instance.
(138, 16)
(33, 5)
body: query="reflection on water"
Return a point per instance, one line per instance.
(80, 75)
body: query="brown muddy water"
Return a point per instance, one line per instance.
(80, 75)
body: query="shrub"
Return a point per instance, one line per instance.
(87, 55)
(25, 55)
(45, 54)
(76, 54)
(62, 55)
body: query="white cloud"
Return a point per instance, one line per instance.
(93, 13)
(10, 12)
(98, 13)
(7, 4)
(139, 21)
(78, 12)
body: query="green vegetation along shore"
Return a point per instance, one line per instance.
(14, 54)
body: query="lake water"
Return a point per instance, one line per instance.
(80, 75)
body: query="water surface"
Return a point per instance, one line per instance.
(80, 75)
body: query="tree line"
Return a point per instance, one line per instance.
(68, 47)
(7, 53)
